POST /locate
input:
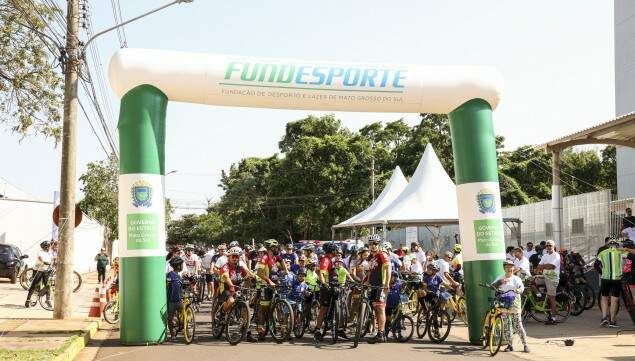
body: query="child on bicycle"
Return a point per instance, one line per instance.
(299, 289)
(513, 287)
(341, 272)
(392, 301)
(174, 287)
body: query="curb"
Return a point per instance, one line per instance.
(73, 349)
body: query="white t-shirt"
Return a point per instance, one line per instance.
(528, 254)
(416, 267)
(630, 233)
(554, 259)
(221, 261)
(45, 257)
(190, 262)
(513, 283)
(421, 256)
(523, 264)
(443, 267)
(206, 262)
(509, 256)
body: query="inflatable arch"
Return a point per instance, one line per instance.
(146, 79)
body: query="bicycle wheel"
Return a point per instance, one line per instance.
(111, 312)
(77, 281)
(312, 316)
(462, 306)
(281, 318)
(360, 324)
(299, 325)
(237, 323)
(439, 325)
(564, 305)
(486, 330)
(422, 323)
(589, 297)
(47, 305)
(217, 321)
(578, 306)
(496, 335)
(335, 322)
(26, 277)
(403, 328)
(189, 325)
(451, 309)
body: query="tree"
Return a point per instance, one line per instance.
(30, 88)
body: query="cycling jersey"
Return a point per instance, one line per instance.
(611, 259)
(174, 286)
(311, 280)
(327, 269)
(341, 274)
(432, 281)
(190, 263)
(269, 265)
(298, 289)
(375, 268)
(235, 273)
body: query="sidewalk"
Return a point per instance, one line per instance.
(32, 334)
(592, 342)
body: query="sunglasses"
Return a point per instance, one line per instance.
(549, 245)
(234, 256)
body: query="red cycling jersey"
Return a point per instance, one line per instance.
(326, 267)
(235, 273)
(375, 263)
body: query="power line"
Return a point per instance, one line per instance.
(121, 32)
(92, 127)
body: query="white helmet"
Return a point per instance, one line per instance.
(234, 244)
(386, 246)
(235, 251)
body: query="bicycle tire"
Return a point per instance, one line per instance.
(299, 325)
(422, 323)
(360, 322)
(189, 325)
(578, 306)
(26, 277)
(235, 318)
(589, 297)
(335, 322)
(564, 307)
(312, 313)
(485, 331)
(403, 328)
(217, 321)
(111, 312)
(462, 305)
(281, 319)
(77, 281)
(42, 301)
(496, 335)
(436, 320)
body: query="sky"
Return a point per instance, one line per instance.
(557, 59)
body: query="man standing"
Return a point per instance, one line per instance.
(191, 260)
(102, 261)
(521, 264)
(530, 251)
(206, 265)
(550, 266)
(628, 225)
(326, 274)
(416, 250)
(611, 259)
(379, 276)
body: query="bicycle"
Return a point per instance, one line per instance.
(365, 314)
(111, 310)
(540, 309)
(46, 292)
(278, 318)
(399, 324)
(237, 317)
(437, 317)
(26, 277)
(335, 319)
(184, 316)
(458, 307)
(493, 326)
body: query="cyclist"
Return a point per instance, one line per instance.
(513, 287)
(457, 262)
(341, 271)
(392, 301)
(311, 278)
(444, 271)
(611, 259)
(359, 266)
(299, 289)
(309, 253)
(232, 275)
(42, 268)
(432, 282)
(268, 265)
(174, 288)
(394, 259)
(550, 266)
(326, 274)
(297, 266)
(191, 260)
(206, 266)
(379, 276)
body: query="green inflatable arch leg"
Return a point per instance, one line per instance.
(478, 193)
(142, 216)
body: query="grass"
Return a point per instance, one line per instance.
(36, 355)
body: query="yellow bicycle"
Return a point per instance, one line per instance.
(493, 324)
(184, 317)
(458, 307)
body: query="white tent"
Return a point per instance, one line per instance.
(396, 184)
(429, 198)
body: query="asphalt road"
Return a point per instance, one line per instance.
(205, 347)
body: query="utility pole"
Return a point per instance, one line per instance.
(63, 281)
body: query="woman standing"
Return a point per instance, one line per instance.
(513, 287)
(102, 262)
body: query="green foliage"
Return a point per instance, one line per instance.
(100, 186)
(196, 229)
(30, 88)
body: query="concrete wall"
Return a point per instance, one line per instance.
(27, 223)
(624, 18)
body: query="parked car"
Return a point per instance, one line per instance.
(11, 262)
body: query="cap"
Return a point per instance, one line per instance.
(508, 263)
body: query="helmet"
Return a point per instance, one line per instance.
(308, 247)
(627, 243)
(271, 243)
(362, 250)
(301, 272)
(189, 247)
(302, 258)
(235, 251)
(309, 262)
(176, 261)
(262, 249)
(338, 260)
(353, 249)
(330, 248)
(386, 246)
(45, 244)
(319, 251)
(434, 267)
(613, 242)
(234, 244)
(457, 248)
(508, 263)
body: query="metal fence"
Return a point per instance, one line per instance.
(586, 222)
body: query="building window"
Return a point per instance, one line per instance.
(577, 226)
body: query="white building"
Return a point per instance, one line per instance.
(26, 221)
(624, 20)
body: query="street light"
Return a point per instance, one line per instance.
(133, 19)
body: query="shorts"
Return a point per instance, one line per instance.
(550, 284)
(172, 307)
(209, 278)
(611, 287)
(377, 297)
(326, 294)
(266, 295)
(225, 295)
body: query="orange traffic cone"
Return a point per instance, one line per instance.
(95, 309)
(102, 300)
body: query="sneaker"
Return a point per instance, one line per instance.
(378, 338)
(526, 349)
(613, 325)
(509, 348)
(317, 337)
(550, 321)
(605, 321)
(27, 304)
